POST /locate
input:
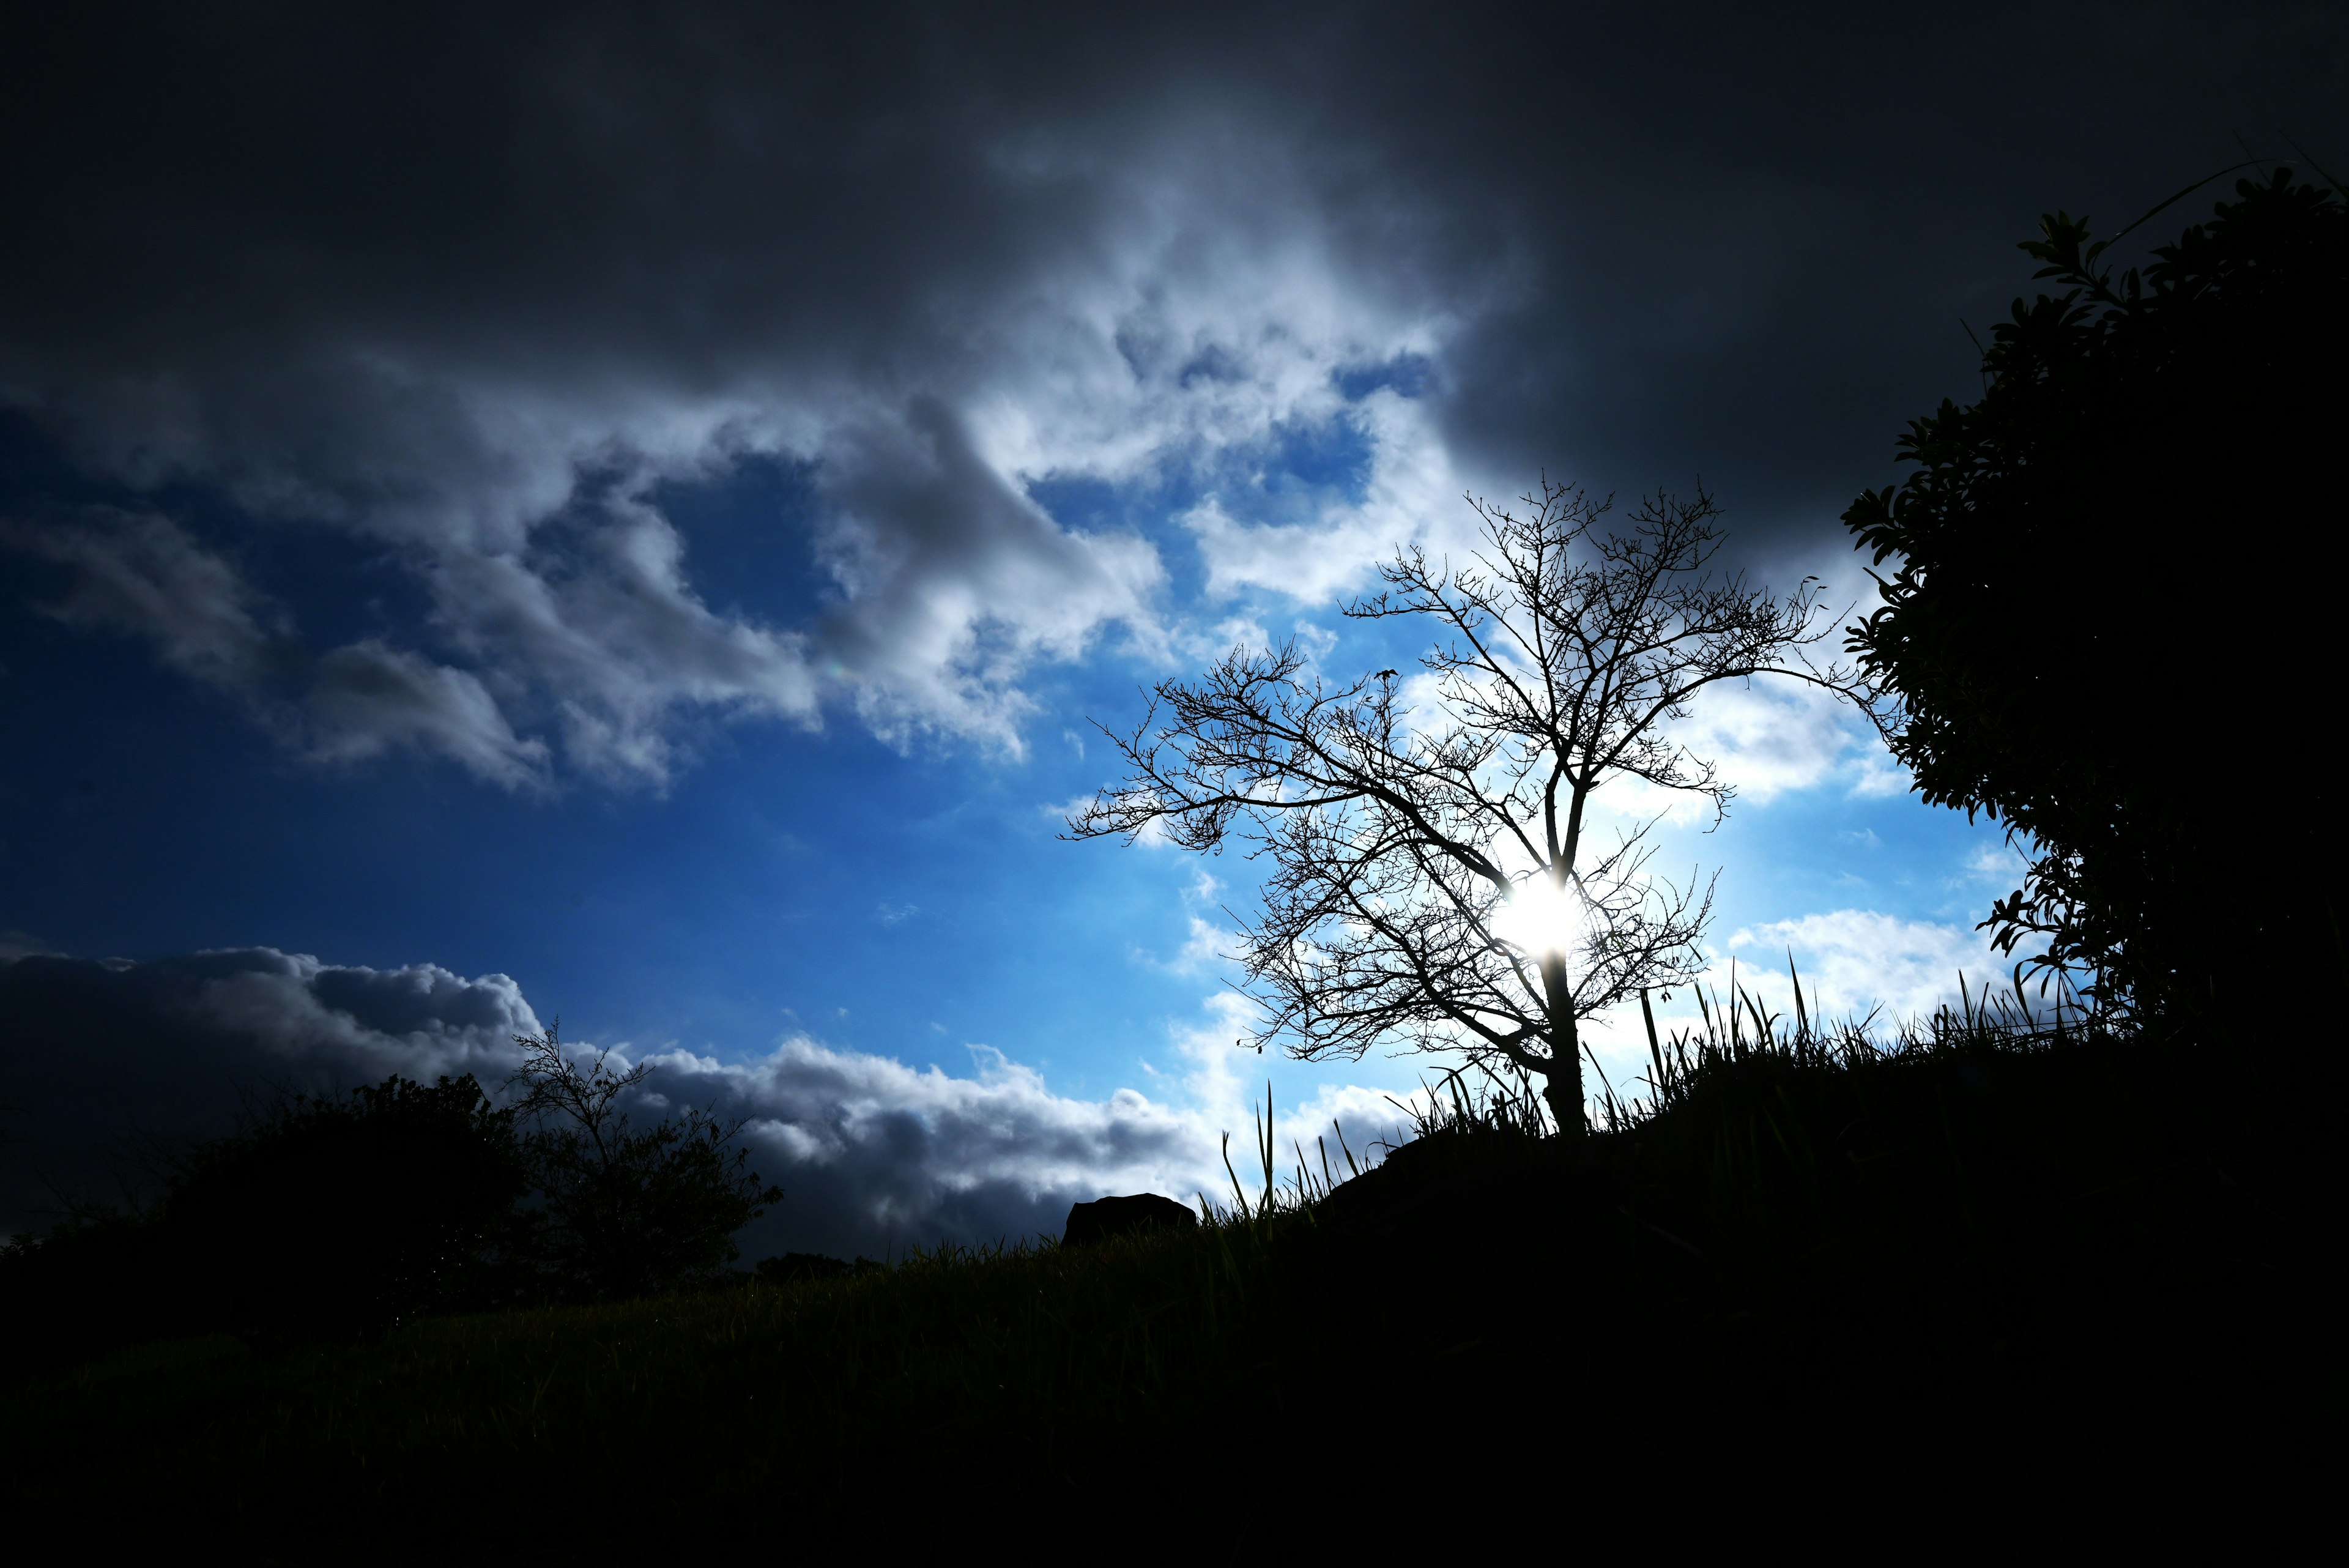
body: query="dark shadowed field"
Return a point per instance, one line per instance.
(2073, 1264)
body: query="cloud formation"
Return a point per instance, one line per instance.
(470, 296)
(874, 1155)
(139, 572)
(615, 252)
(955, 581)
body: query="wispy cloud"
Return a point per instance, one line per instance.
(143, 575)
(140, 573)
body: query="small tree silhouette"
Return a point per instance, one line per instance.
(1408, 852)
(626, 1210)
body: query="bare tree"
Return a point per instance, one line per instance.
(1431, 883)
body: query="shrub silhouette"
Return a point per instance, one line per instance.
(2102, 610)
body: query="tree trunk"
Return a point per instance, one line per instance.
(1564, 1089)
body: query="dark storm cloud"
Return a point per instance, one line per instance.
(422, 279)
(448, 277)
(1749, 232)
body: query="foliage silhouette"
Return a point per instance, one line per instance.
(1401, 842)
(2103, 626)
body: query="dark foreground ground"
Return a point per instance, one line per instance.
(1999, 1282)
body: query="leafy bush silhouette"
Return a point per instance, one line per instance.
(337, 1218)
(326, 1218)
(623, 1210)
(91, 1282)
(340, 1218)
(2103, 602)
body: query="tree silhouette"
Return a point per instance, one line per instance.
(623, 1210)
(2102, 627)
(1431, 878)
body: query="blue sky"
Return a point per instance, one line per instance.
(647, 541)
(907, 898)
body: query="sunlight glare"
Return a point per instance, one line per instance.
(1540, 919)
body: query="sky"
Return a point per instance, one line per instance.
(633, 515)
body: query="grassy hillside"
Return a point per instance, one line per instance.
(1988, 1238)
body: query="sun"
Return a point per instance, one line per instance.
(1541, 919)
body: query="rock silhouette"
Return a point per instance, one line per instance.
(1109, 1217)
(789, 1268)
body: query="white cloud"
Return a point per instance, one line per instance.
(1857, 960)
(1413, 495)
(956, 582)
(1116, 318)
(572, 596)
(596, 630)
(1770, 736)
(1774, 737)
(1878, 776)
(1203, 947)
(2000, 864)
(1205, 942)
(875, 1152)
(421, 1020)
